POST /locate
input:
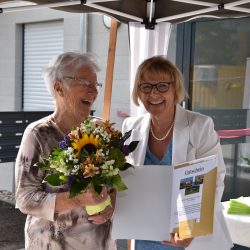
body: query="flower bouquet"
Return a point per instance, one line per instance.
(91, 154)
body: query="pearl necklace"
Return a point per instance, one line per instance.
(165, 136)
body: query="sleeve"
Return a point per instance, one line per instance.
(30, 195)
(207, 143)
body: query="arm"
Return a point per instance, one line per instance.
(207, 143)
(30, 195)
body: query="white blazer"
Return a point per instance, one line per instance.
(193, 137)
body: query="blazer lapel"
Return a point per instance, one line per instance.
(180, 136)
(141, 134)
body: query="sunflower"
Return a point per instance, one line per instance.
(88, 142)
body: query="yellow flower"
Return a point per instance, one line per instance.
(89, 140)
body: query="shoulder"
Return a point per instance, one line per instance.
(41, 123)
(198, 117)
(43, 126)
(135, 122)
(200, 125)
(195, 118)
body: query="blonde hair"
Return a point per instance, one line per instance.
(159, 65)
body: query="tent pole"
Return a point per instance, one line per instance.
(110, 70)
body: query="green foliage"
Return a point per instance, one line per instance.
(118, 184)
(117, 155)
(77, 187)
(132, 145)
(56, 179)
(247, 160)
(127, 135)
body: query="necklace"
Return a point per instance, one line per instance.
(165, 136)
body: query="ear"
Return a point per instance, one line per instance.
(58, 88)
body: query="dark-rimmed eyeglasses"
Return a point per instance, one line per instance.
(147, 87)
(84, 83)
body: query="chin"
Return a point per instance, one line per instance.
(157, 110)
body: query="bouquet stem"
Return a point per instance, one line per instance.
(94, 209)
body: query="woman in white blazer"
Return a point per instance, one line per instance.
(170, 135)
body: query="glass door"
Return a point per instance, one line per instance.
(218, 73)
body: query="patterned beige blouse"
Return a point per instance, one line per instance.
(45, 229)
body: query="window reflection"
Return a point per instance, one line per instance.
(220, 88)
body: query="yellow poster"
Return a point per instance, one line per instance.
(193, 197)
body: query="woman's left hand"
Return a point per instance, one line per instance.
(107, 213)
(178, 242)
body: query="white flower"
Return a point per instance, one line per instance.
(108, 168)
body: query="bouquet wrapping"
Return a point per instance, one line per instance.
(92, 154)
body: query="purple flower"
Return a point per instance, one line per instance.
(126, 150)
(64, 143)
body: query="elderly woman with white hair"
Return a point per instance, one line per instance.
(55, 221)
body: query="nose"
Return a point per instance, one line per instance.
(92, 89)
(154, 90)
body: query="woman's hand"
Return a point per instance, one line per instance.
(107, 213)
(90, 197)
(177, 242)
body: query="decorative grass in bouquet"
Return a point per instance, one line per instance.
(91, 154)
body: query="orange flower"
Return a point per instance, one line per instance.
(90, 170)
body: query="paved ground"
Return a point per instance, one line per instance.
(12, 225)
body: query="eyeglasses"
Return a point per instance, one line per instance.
(162, 87)
(84, 83)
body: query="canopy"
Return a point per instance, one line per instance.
(149, 12)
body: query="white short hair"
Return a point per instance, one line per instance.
(63, 64)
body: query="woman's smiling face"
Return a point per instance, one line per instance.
(156, 102)
(78, 96)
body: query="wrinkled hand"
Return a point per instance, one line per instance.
(90, 197)
(107, 213)
(177, 242)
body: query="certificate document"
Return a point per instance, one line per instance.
(165, 199)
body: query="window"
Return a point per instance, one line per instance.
(214, 56)
(42, 41)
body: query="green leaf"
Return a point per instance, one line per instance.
(126, 166)
(132, 145)
(77, 187)
(127, 135)
(56, 151)
(247, 160)
(55, 179)
(118, 184)
(42, 166)
(97, 180)
(98, 188)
